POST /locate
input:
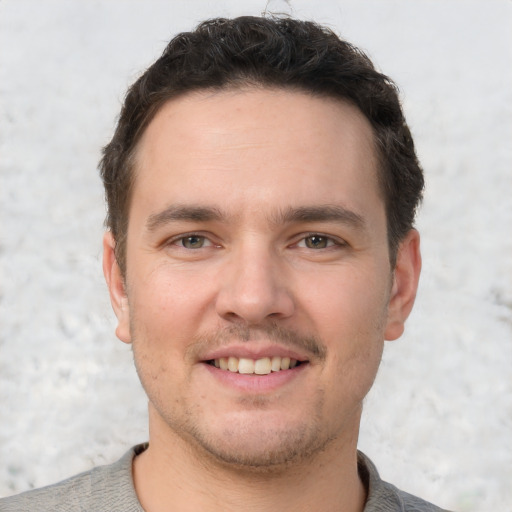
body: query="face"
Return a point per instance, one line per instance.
(258, 289)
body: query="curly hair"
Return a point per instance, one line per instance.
(280, 53)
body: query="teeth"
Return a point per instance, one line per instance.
(285, 363)
(262, 366)
(233, 364)
(245, 365)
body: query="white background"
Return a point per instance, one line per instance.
(438, 422)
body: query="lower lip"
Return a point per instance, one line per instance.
(255, 383)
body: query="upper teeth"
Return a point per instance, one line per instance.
(262, 366)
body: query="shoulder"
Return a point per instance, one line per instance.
(102, 488)
(385, 497)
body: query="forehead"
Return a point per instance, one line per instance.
(276, 148)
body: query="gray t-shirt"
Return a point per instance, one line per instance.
(110, 489)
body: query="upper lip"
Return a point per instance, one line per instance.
(257, 351)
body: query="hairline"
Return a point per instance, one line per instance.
(241, 84)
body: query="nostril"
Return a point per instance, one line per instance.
(254, 296)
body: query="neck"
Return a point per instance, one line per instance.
(172, 476)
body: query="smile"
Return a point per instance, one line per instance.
(262, 366)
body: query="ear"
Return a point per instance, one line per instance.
(405, 284)
(116, 288)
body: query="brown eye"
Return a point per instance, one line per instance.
(316, 242)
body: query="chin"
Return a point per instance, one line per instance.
(259, 447)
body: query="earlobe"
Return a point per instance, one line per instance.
(405, 285)
(116, 287)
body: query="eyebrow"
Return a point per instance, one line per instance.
(290, 215)
(322, 213)
(184, 213)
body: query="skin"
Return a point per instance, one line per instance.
(257, 227)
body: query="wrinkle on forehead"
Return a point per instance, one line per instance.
(262, 152)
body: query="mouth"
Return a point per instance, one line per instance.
(261, 366)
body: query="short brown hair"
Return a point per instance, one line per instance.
(277, 53)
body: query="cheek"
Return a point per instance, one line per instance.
(169, 302)
(347, 304)
(349, 315)
(160, 331)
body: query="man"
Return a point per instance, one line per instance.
(261, 185)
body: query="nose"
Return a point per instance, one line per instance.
(254, 287)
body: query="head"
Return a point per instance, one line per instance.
(223, 54)
(260, 182)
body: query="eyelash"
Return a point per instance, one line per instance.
(330, 241)
(176, 241)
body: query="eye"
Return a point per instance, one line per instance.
(317, 242)
(193, 242)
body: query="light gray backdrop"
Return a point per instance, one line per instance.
(438, 421)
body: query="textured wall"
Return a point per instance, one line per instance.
(438, 421)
